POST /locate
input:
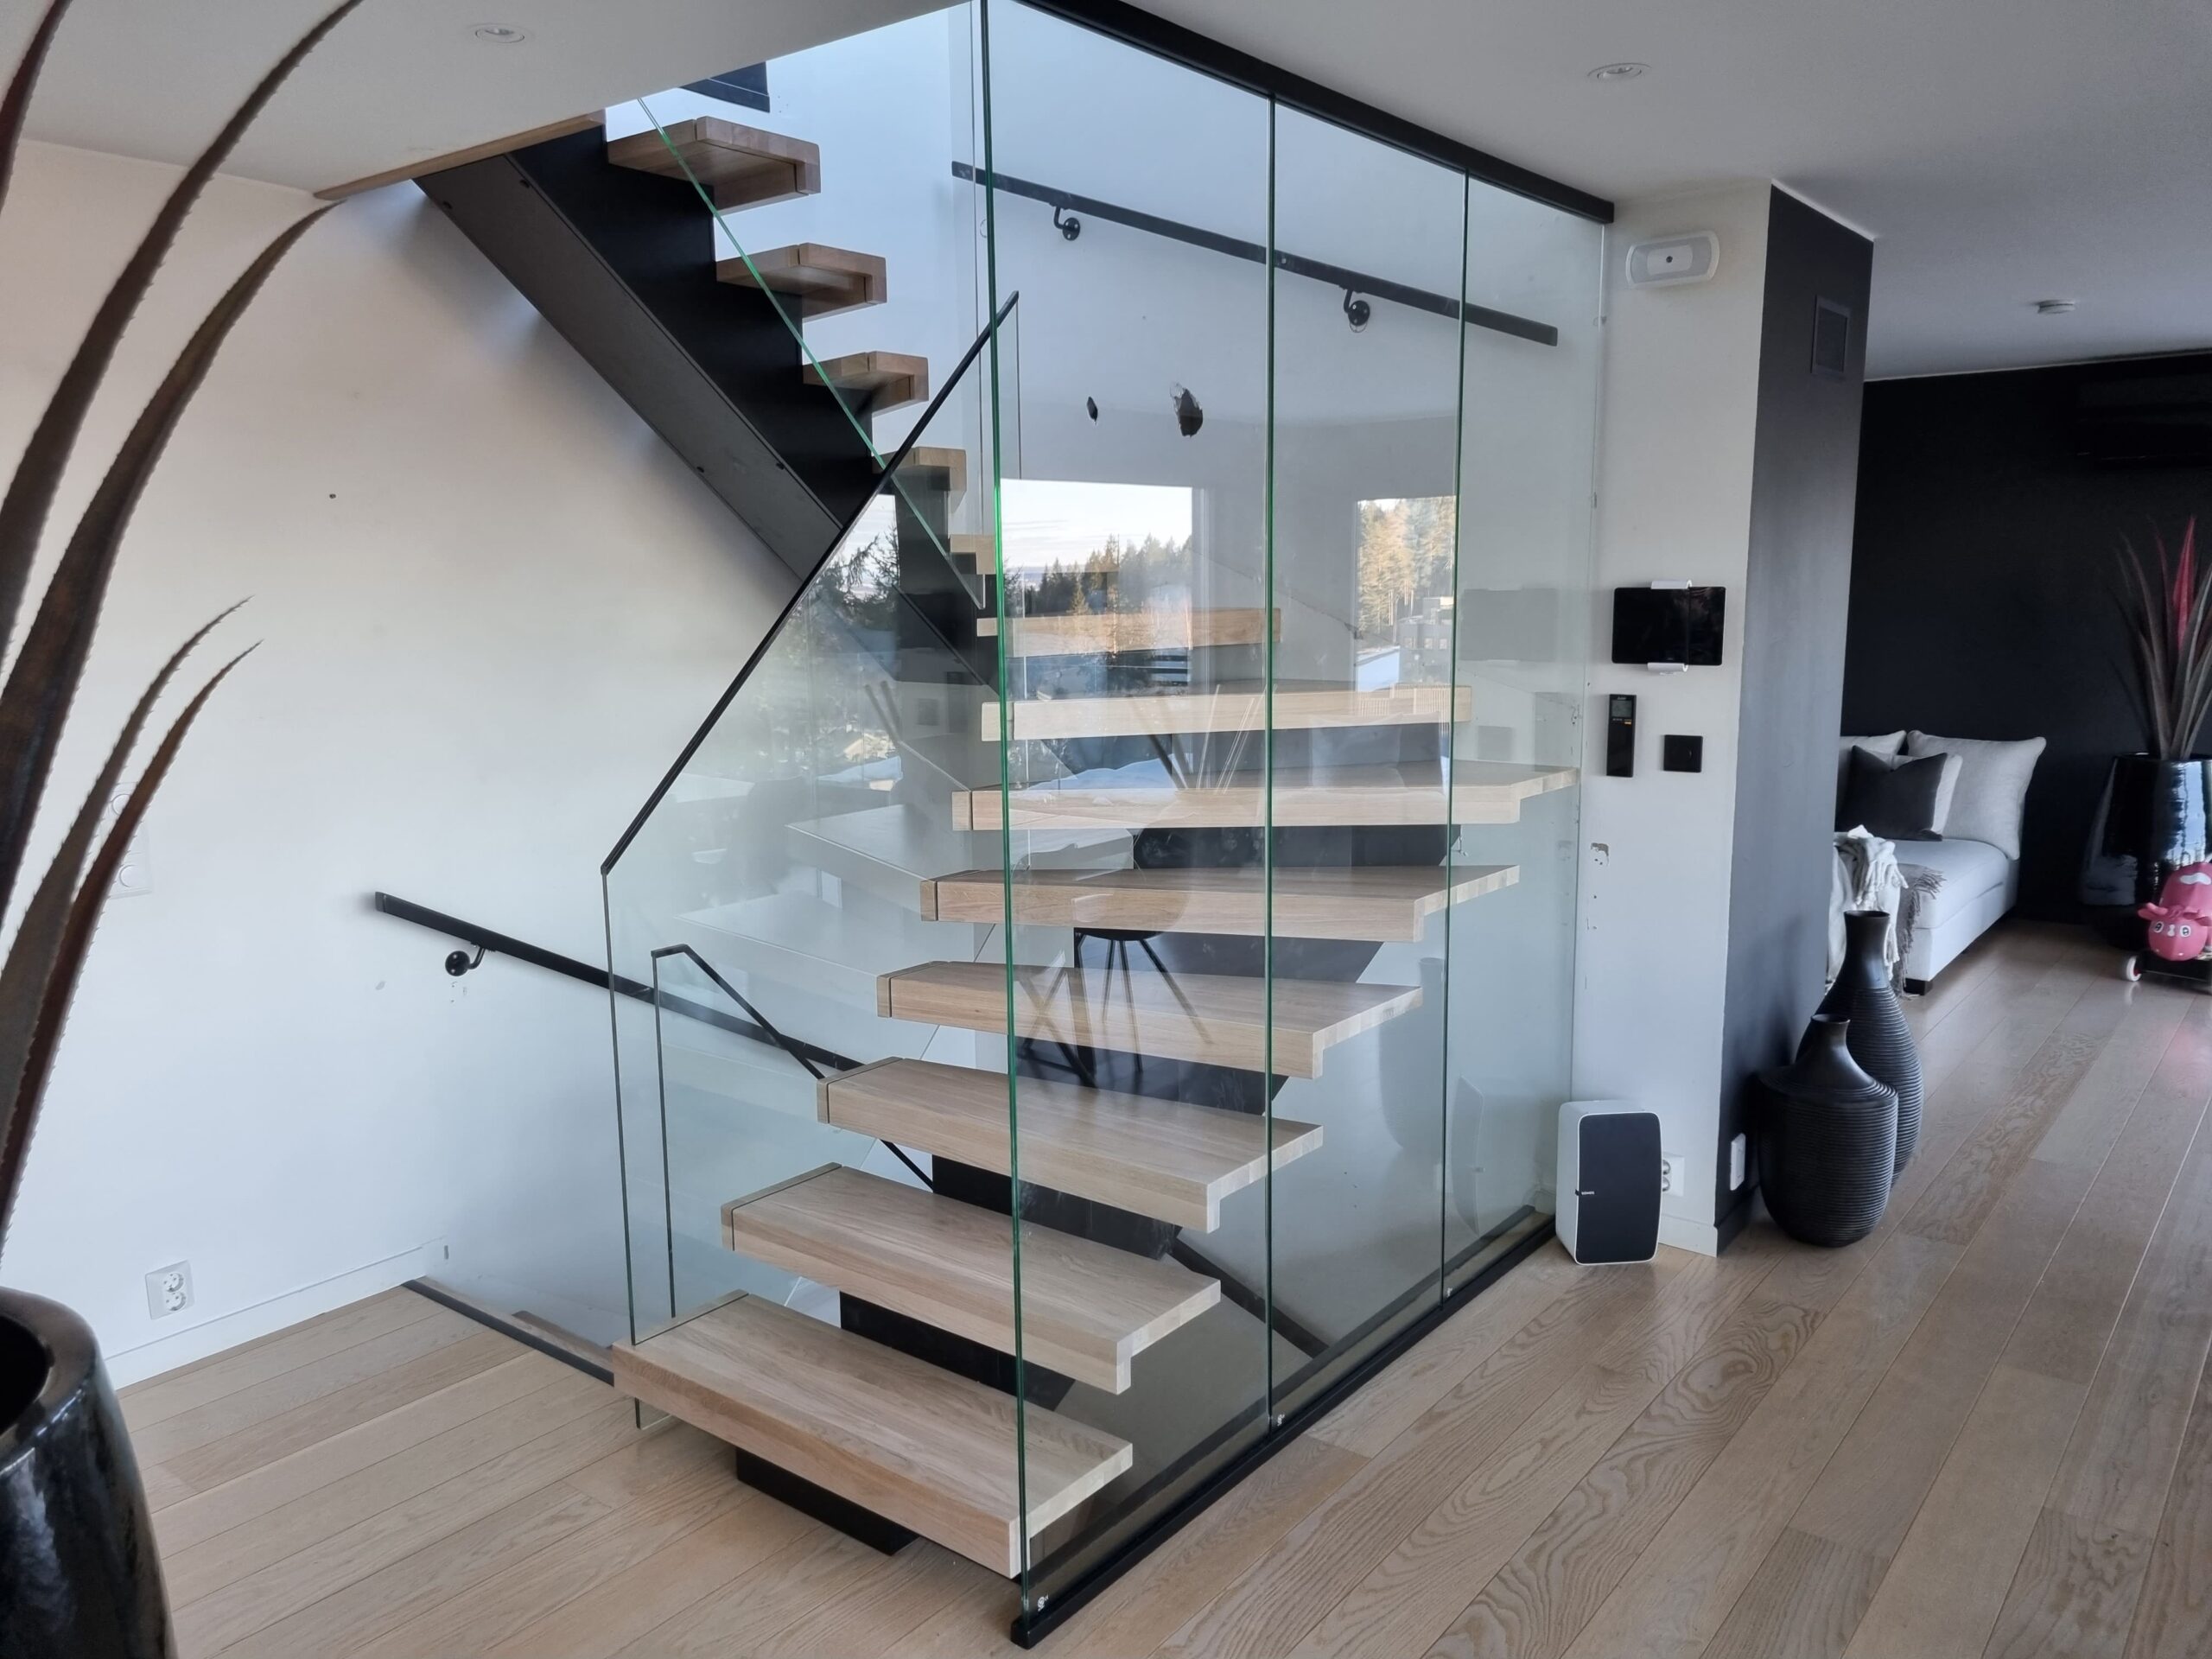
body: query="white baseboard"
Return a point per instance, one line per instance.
(1702, 1236)
(165, 1353)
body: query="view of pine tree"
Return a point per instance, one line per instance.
(1117, 576)
(1405, 557)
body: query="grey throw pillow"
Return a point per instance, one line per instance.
(1991, 792)
(1888, 745)
(1895, 800)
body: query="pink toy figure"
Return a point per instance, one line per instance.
(2180, 922)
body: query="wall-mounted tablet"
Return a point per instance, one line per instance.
(1668, 625)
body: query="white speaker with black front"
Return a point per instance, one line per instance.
(1609, 1162)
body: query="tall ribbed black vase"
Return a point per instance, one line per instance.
(1827, 1139)
(1880, 1040)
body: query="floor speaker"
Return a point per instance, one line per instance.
(1608, 1181)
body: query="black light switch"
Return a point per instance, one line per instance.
(1678, 754)
(1620, 736)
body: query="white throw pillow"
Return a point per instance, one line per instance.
(1888, 745)
(1992, 791)
(1946, 790)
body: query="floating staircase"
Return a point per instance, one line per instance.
(877, 935)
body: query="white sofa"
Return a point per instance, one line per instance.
(1978, 884)
(1976, 865)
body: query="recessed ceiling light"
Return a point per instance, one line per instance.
(1618, 71)
(2053, 307)
(499, 35)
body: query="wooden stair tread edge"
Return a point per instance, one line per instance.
(1087, 1309)
(933, 1450)
(741, 166)
(1370, 902)
(823, 279)
(1159, 1158)
(1481, 793)
(888, 380)
(1231, 706)
(1218, 1019)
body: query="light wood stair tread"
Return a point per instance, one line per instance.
(1482, 791)
(1089, 634)
(979, 550)
(1231, 706)
(930, 467)
(1378, 902)
(1087, 1309)
(739, 166)
(1159, 1158)
(883, 380)
(932, 1451)
(1217, 1018)
(894, 850)
(822, 279)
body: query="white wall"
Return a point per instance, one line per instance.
(1674, 496)
(493, 606)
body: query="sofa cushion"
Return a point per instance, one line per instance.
(1895, 800)
(1968, 869)
(1993, 787)
(1888, 745)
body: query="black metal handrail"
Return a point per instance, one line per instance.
(1320, 270)
(506, 944)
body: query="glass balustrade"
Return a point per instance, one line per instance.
(1115, 944)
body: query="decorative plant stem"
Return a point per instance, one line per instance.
(2170, 623)
(47, 955)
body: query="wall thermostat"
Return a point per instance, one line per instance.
(1671, 261)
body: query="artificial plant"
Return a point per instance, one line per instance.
(2169, 614)
(47, 955)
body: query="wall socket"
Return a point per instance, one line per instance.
(1739, 1157)
(169, 1290)
(1670, 1172)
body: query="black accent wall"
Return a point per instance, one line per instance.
(1796, 591)
(1981, 592)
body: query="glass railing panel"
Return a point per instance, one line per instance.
(1521, 652)
(1132, 517)
(779, 876)
(1365, 414)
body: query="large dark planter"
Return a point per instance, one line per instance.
(78, 1571)
(1880, 1040)
(2153, 815)
(1827, 1139)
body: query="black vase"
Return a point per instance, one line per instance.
(1880, 1040)
(2152, 817)
(1827, 1139)
(79, 1574)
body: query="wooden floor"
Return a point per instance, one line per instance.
(1986, 1429)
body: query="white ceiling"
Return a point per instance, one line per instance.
(398, 81)
(2001, 151)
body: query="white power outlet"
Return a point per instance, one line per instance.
(1670, 1172)
(1738, 1158)
(169, 1290)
